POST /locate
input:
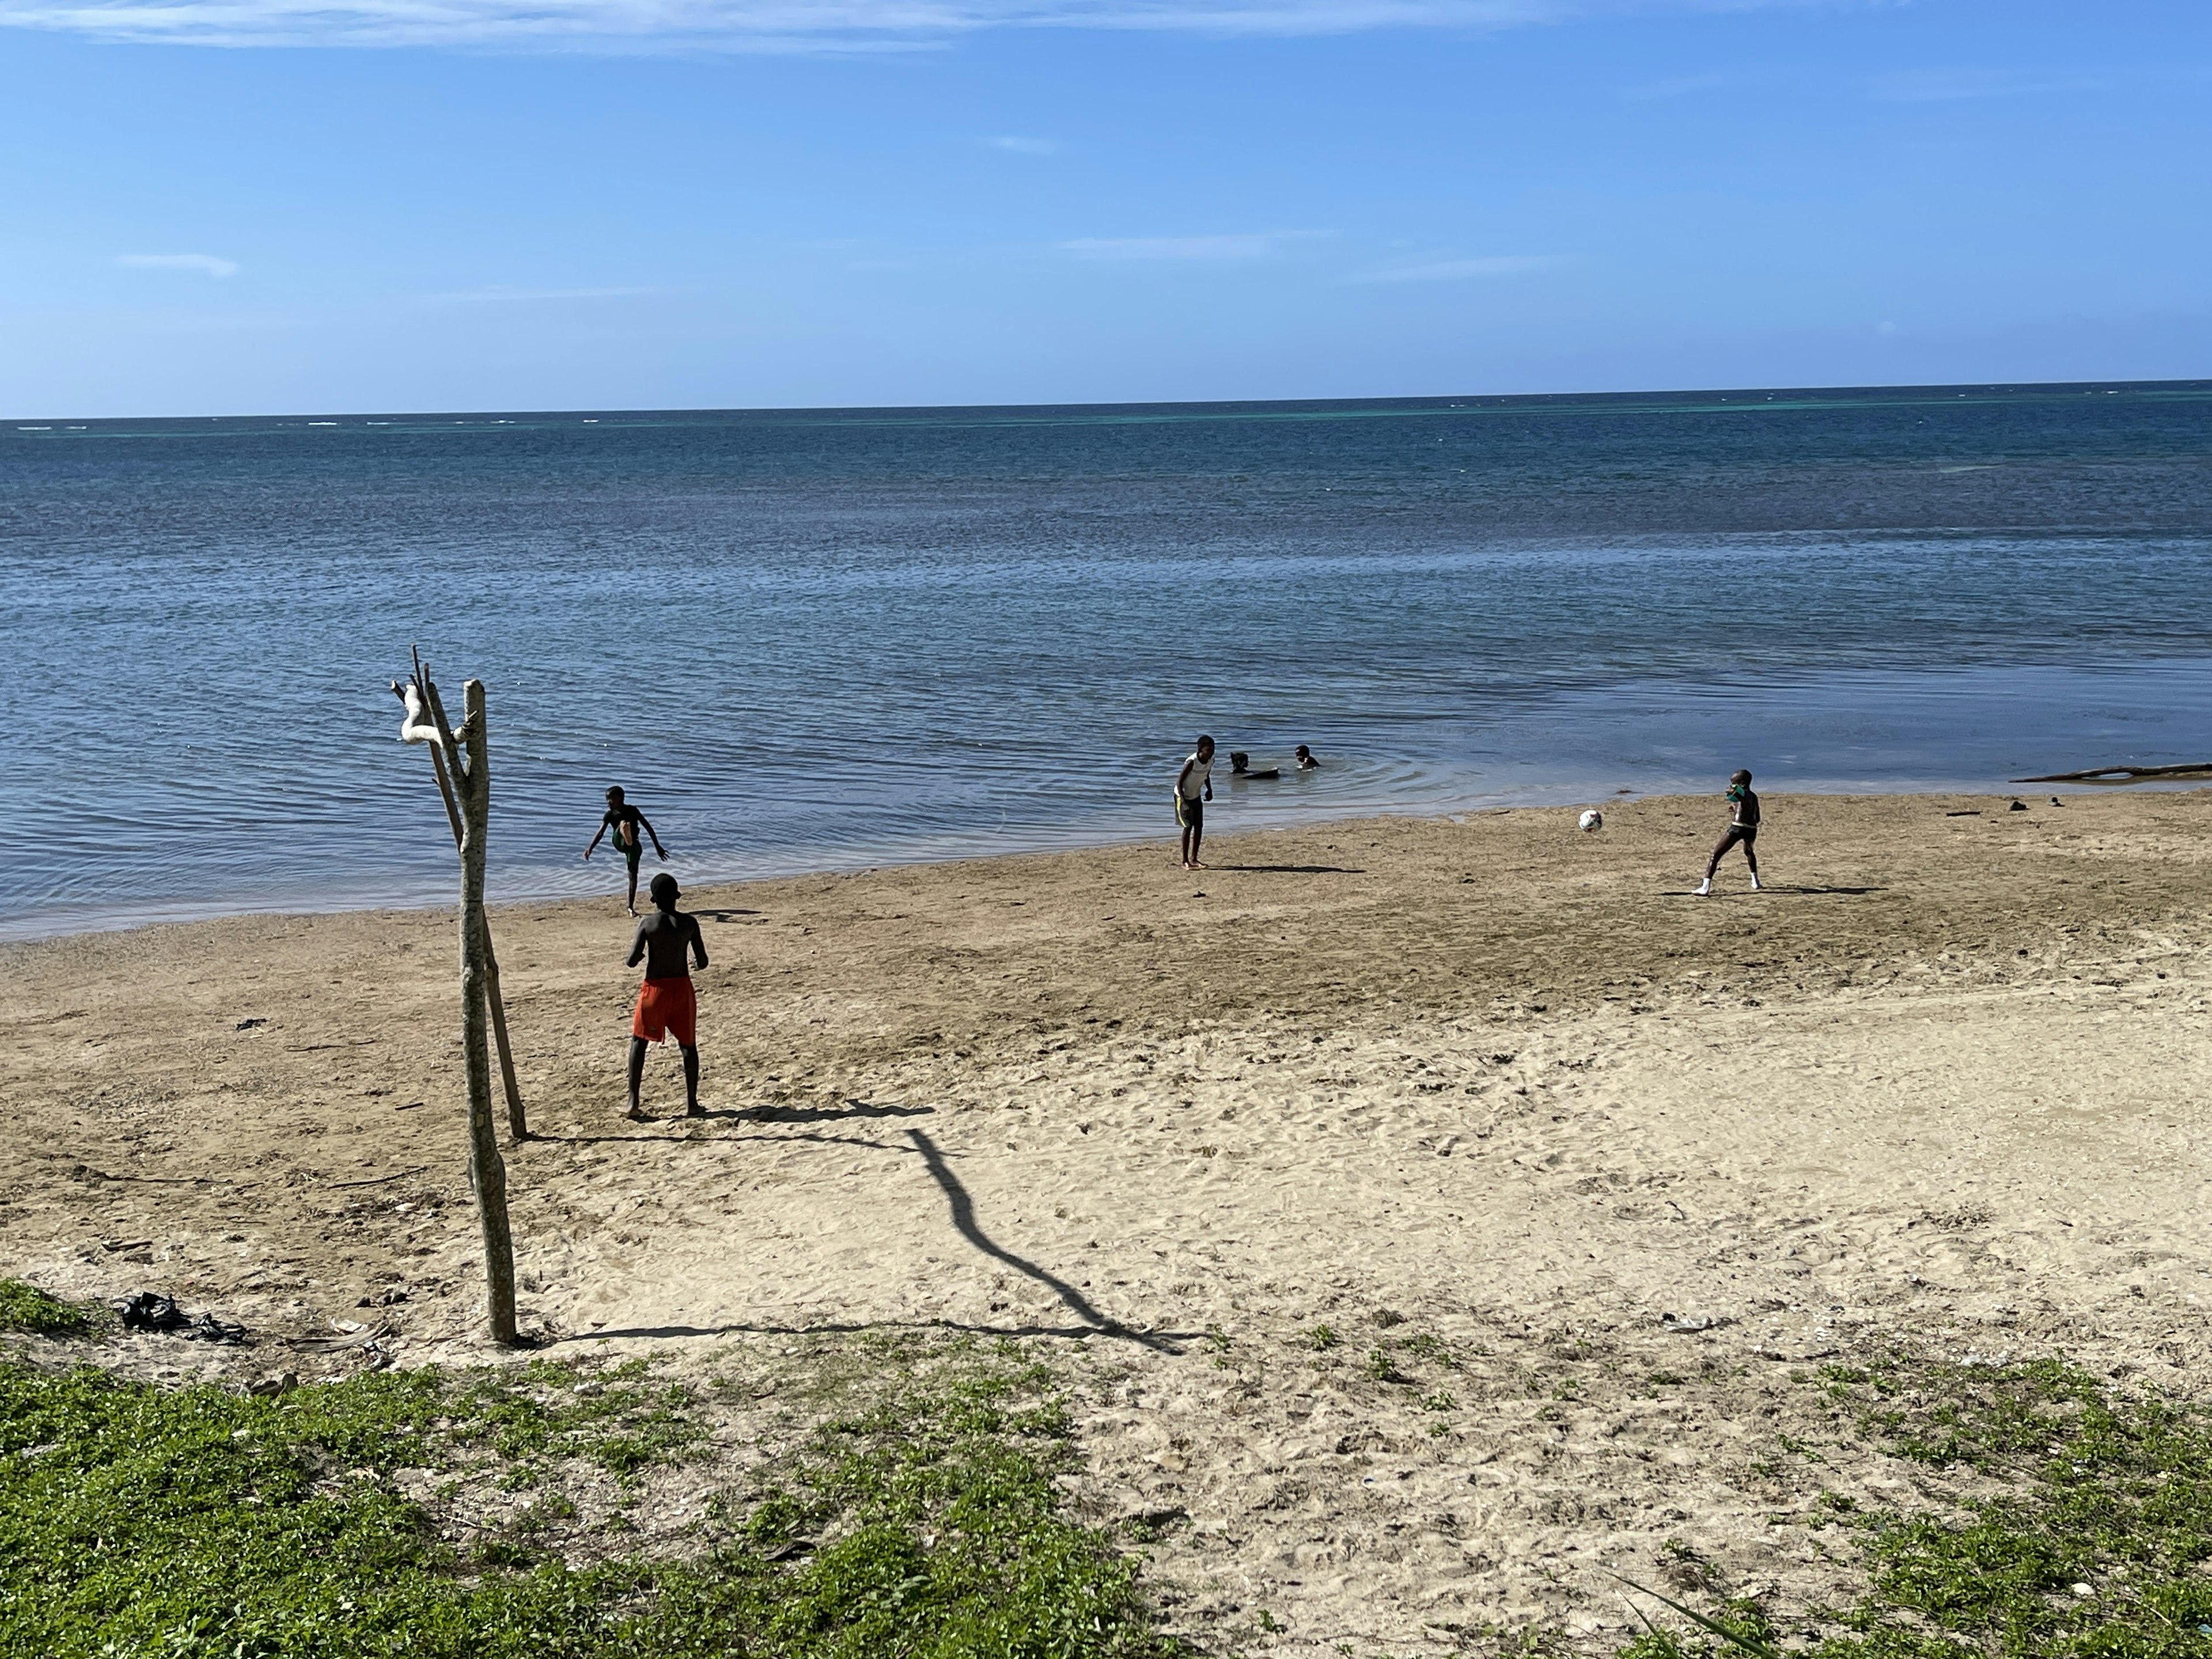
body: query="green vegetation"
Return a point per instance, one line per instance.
(1426, 1346)
(27, 1308)
(1738, 1627)
(432, 1514)
(2094, 1546)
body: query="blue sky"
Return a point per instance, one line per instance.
(232, 206)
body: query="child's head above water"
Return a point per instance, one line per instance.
(1238, 760)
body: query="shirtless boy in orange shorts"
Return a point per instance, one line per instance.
(667, 1006)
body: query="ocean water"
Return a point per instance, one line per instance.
(814, 639)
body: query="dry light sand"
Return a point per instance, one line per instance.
(1484, 1088)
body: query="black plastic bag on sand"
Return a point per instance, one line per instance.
(147, 1311)
(151, 1311)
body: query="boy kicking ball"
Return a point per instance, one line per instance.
(625, 821)
(1743, 830)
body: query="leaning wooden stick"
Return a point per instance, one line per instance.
(2122, 774)
(467, 777)
(415, 729)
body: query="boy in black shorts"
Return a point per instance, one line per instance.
(626, 821)
(1743, 829)
(1193, 788)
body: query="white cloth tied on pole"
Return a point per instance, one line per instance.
(416, 727)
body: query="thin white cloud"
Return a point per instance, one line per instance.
(205, 264)
(762, 25)
(1025, 146)
(1954, 85)
(1453, 270)
(1255, 246)
(495, 295)
(1681, 86)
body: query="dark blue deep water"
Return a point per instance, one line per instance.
(824, 638)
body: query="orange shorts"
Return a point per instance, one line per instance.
(667, 1008)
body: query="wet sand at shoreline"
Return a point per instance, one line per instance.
(1486, 1098)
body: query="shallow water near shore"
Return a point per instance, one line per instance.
(830, 639)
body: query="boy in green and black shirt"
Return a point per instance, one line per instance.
(625, 821)
(1742, 831)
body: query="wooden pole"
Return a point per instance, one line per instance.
(470, 781)
(518, 1124)
(445, 794)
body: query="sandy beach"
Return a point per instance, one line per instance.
(1354, 1181)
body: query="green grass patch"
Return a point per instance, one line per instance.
(28, 1309)
(1427, 1346)
(141, 1521)
(944, 1519)
(2095, 1543)
(1736, 1627)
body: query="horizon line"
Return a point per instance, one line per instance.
(1221, 405)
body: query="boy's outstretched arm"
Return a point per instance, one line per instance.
(593, 847)
(655, 834)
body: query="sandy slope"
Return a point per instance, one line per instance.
(1486, 1098)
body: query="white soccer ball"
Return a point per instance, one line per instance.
(1591, 822)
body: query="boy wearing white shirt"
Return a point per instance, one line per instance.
(1193, 788)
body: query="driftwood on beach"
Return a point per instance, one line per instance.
(2123, 774)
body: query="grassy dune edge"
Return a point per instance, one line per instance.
(905, 1502)
(907, 1494)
